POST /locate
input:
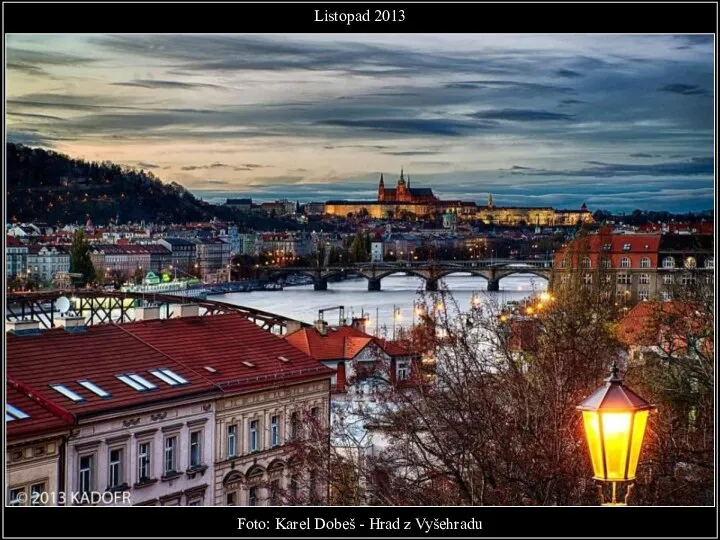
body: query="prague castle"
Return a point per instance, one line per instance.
(404, 200)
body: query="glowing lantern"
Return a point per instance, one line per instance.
(615, 419)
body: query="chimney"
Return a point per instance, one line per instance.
(359, 323)
(292, 326)
(189, 310)
(321, 326)
(71, 323)
(147, 313)
(23, 327)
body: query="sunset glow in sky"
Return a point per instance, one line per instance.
(619, 122)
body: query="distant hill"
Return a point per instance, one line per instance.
(56, 189)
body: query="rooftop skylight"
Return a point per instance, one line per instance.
(66, 392)
(95, 389)
(13, 413)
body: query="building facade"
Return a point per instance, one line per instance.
(641, 266)
(44, 262)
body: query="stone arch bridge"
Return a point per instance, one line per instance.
(430, 271)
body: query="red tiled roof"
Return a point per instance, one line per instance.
(43, 416)
(97, 355)
(650, 323)
(339, 343)
(224, 342)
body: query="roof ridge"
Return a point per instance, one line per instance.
(141, 340)
(53, 408)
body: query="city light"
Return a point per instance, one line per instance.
(615, 419)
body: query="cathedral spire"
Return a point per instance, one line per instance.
(382, 181)
(401, 174)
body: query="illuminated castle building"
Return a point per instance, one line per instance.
(404, 200)
(403, 193)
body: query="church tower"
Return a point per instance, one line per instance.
(381, 189)
(490, 201)
(401, 188)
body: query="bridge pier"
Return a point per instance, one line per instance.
(431, 285)
(320, 285)
(493, 285)
(373, 284)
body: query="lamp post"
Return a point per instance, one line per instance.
(615, 419)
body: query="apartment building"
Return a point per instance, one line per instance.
(641, 266)
(182, 253)
(183, 411)
(267, 389)
(44, 262)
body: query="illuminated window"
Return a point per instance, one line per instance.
(668, 262)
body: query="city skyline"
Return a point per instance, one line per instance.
(618, 122)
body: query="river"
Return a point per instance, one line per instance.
(398, 291)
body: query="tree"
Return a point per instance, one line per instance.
(358, 250)
(80, 262)
(677, 374)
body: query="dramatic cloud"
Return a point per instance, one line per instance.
(521, 115)
(544, 119)
(684, 89)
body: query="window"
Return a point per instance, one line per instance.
(197, 501)
(85, 474)
(116, 467)
(643, 294)
(587, 279)
(13, 413)
(403, 370)
(607, 247)
(668, 279)
(36, 494)
(170, 454)
(94, 389)
(585, 263)
(314, 412)
(625, 262)
(274, 492)
(254, 441)
(143, 462)
(624, 279)
(626, 247)
(195, 449)
(565, 279)
(644, 279)
(294, 486)
(169, 377)
(690, 262)
(142, 381)
(232, 441)
(605, 263)
(66, 392)
(665, 296)
(294, 426)
(275, 431)
(687, 279)
(252, 496)
(645, 262)
(710, 262)
(231, 499)
(709, 279)
(564, 263)
(668, 262)
(131, 383)
(17, 497)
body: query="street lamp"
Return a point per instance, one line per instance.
(615, 419)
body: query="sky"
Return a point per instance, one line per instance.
(616, 121)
